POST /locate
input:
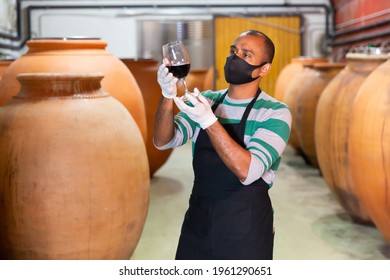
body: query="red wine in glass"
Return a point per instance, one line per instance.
(179, 71)
(179, 60)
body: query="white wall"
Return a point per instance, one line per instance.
(118, 32)
(118, 25)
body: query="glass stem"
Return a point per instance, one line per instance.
(184, 98)
(185, 85)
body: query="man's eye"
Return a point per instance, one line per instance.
(233, 51)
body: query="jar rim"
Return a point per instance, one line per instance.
(71, 38)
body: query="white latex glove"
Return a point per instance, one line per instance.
(201, 112)
(166, 81)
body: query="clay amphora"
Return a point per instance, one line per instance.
(74, 176)
(307, 95)
(288, 73)
(369, 142)
(291, 85)
(145, 73)
(78, 55)
(332, 125)
(4, 65)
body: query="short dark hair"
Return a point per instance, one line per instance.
(268, 44)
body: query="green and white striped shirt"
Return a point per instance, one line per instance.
(266, 133)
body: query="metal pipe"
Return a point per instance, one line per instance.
(32, 7)
(361, 28)
(360, 38)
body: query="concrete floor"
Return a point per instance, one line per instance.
(310, 224)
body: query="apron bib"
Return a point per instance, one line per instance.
(225, 219)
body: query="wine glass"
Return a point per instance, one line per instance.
(179, 61)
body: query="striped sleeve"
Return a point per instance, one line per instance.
(267, 133)
(185, 128)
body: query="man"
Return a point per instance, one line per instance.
(238, 138)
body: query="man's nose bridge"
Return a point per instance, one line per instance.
(240, 53)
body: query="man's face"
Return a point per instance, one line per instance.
(249, 48)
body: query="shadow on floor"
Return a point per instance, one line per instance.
(359, 241)
(165, 186)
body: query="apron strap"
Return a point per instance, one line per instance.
(249, 107)
(244, 116)
(219, 101)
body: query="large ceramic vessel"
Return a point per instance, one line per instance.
(369, 142)
(74, 176)
(4, 65)
(332, 125)
(78, 55)
(288, 84)
(145, 72)
(312, 84)
(289, 71)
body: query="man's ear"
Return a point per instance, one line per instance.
(265, 69)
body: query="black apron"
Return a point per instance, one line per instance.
(225, 219)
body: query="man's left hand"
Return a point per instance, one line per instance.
(201, 112)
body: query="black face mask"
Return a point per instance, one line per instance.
(238, 71)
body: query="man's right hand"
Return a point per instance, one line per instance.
(166, 81)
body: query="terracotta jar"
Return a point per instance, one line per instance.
(312, 84)
(291, 85)
(74, 176)
(369, 142)
(78, 55)
(4, 65)
(332, 124)
(145, 73)
(288, 73)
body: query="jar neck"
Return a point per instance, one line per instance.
(60, 85)
(364, 66)
(308, 60)
(330, 69)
